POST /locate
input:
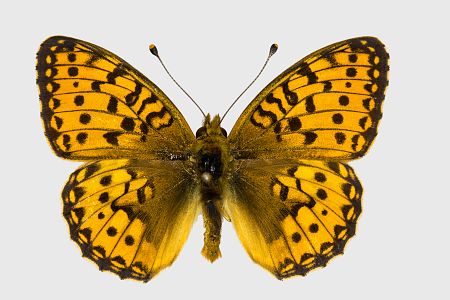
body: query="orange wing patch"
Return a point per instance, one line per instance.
(326, 106)
(95, 105)
(293, 217)
(130, 219)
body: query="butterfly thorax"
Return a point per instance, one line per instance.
(211, 155)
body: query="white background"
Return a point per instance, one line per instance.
(214, 50)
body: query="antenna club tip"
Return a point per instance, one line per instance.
(273, 49)
(153, 50)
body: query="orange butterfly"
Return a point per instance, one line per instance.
(280, 177)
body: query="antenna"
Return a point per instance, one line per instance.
(272, 51)
(154, 51)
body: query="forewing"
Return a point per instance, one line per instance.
(293, 216)
(327, 105)
(95, 105)
(130, 217)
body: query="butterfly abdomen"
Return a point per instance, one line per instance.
(212, 220)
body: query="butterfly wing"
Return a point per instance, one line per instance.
(325, 106)
(95, 105)
(293, 215)
(132, 210)
(293, 203)
(130, 217)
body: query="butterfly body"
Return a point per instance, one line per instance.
(281, 176)
(212, 157)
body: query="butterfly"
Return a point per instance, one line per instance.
(281, 175)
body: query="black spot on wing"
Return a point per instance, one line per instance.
(284, 192)
(296, 237)
(79, 100)
(95, 85)
(309, 103)
(106, 180)
(149, 100)
(291, 96)
(82, 137)
(291, 171)
(340, 137)
(310, 137)
(271, 99)
(144, 128)
(132, 173)
(346, 188)
(117, 72)
(277, 128)
(313, 228)
(320, 177)
(351, 72)
(159, 114)
(71, 57)
(141, 195)
(111, 137)
(72, 71)
(362, 122)
(344, 100)
(91, 169)
(305, 70)
(56, 103)
(263, 113)
(334, 166)
(128, 124)
(132, 97)
(66, 141)
(294, 124)
(58, 122)
(321, 194)
(327, 86)
(78, 192)
(85, 118)
(129, 240)
(337, 118)
(112, 104)
(111, 231)
(104, 197)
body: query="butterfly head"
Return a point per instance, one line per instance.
(210, 128)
